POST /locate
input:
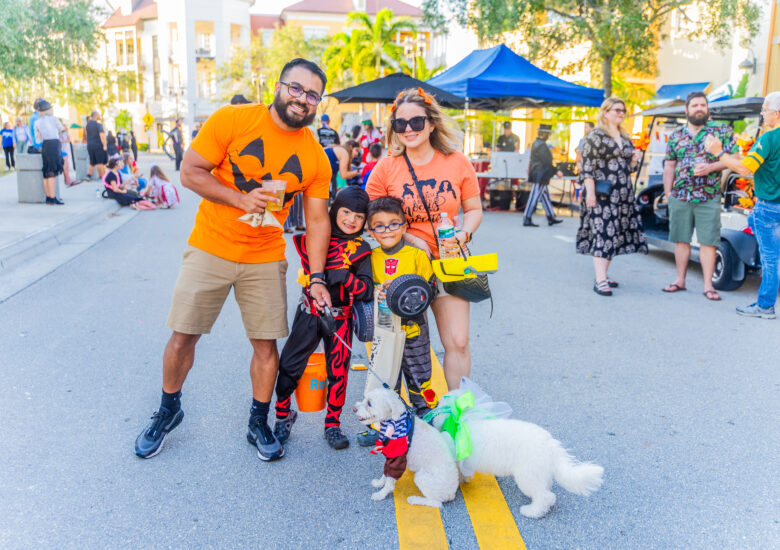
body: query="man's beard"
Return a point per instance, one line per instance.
(281, 109)
(699, 120)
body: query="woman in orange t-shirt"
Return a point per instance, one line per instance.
(418, 130)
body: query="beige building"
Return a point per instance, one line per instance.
(683, 63)
(173, 47)
(322, 18)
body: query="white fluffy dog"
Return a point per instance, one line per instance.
(435, 471)
(508, 447)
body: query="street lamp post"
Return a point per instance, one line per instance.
(175, 92)
(412, 48)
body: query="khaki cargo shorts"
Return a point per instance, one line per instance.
(704, 216)
(204, 283)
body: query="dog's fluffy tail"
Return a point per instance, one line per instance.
(580, 478)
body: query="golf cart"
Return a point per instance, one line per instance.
(737, 253)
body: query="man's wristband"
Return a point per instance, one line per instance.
(317, 275)
(720, 154)
(318, 282)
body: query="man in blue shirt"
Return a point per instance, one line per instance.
(9, 144)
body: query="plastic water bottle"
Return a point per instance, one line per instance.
(384, 315)
(444, 231)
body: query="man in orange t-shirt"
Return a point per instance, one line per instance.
(238, 148)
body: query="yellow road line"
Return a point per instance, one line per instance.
(490, 516)
(418, 526)
(421, 526)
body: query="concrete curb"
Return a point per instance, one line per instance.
(33, 257)
(30, 246)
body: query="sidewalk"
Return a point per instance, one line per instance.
(35, 239)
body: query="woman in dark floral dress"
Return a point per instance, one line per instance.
(609, 226)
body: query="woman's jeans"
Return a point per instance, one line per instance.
(765, 222)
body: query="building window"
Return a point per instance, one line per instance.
(120, 50)
(204, 39)
(265, 36)
(129, 48)
(311, 32)
(235, 36)
(206, 78)
(156, 69)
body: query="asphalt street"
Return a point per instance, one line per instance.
(677, 397)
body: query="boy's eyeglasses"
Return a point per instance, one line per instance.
(296, 90)
(379, 228)
(417, 123)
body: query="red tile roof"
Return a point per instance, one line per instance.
(346, 6)
(258, 22)
(144, 9)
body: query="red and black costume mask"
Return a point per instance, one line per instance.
(347, 269)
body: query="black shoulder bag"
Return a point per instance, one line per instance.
(472, 289)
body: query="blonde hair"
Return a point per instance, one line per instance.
(601, 121)
(444, 137)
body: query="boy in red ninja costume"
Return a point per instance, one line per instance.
(348, 276)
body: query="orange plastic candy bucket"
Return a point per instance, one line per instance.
(313, 385)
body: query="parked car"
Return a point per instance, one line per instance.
(737, 254)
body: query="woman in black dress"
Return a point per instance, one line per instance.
(609, 226)
(111, 146)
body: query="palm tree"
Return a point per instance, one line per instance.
(420, 70)
(342, 58)
(379, 48)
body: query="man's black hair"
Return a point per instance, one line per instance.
(590, 124)
(389, 205)
(308, 65)
(694, 95)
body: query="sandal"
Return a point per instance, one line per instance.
(712, 295)
(612, 283)
(674, 287)
(602, 288)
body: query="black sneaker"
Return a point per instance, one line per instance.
(151, 440)
(260, 435)
(368, 438)
(336, 438)
(283, 426)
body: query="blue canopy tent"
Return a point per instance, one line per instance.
(497, 78)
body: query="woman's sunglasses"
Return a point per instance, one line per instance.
(417, 123)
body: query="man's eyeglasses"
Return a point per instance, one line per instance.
(379, 228)
(417, 123)
(296, 90)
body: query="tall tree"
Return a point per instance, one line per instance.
(254, 70)
(343, 59)
(620, 35)
(44, 38)
(378, 36)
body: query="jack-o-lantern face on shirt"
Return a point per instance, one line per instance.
(248, 148)
(255, 149)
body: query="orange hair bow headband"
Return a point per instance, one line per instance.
(426, 98)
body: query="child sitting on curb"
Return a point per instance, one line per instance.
(393, 257)
(348, 277)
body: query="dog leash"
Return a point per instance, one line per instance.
(330, 326)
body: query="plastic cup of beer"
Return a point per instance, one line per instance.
(274, 188)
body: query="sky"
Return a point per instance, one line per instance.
(460, 42)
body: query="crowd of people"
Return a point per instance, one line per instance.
(112, 159)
